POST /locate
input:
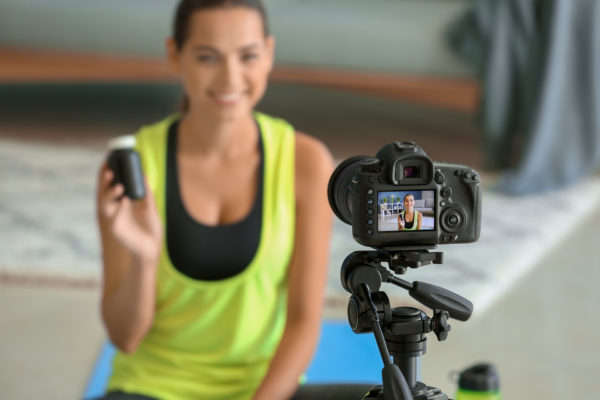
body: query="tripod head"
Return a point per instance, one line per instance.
(365, 267)
(402, 329)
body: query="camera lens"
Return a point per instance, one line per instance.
(339, 190)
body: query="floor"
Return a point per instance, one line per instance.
(542, 335)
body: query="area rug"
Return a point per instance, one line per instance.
(49, 235)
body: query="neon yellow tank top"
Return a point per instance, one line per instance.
(215, 339)
(415, 221)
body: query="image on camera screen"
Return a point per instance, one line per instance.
(406, 211)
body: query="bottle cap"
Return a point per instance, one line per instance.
(122, 142)
(479, 378)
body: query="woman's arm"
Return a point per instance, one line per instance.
(419, 221)
(307, 274)
(131, 237)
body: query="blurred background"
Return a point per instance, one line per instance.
(508, 87)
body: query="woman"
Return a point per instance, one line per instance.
(213, 284)
(407, 218)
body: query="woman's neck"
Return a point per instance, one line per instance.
(201, 135)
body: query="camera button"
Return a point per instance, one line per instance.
(446, 192)
(369, 231)
(370, 202)
(371, 179)
(467, 175)
(370, 211)
(406, 146)
(457, 172)
(449, 238)
(443, 204)
(370, 191)
(439, 177)
(370, 221)
(453, 219)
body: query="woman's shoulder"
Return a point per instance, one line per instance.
(311, 152)
(156, 128)
(273, 124)
(151, 142)
(313, 160)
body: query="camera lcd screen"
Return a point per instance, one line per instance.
(406, 211)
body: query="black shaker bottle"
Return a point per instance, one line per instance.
(125, 163)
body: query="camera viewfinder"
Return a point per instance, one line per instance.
(411, 171)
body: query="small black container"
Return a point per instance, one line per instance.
(125, 163)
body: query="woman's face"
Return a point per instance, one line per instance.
(225, 61)
(409, 202)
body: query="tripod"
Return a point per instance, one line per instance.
(399, 331)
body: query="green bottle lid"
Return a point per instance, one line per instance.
(462, 394)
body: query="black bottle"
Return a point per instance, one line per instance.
(479, 382)
(125, 163)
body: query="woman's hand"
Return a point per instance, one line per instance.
(400, 222)
(134, 224)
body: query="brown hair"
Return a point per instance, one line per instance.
(187, 8)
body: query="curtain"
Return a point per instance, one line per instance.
(539, 63)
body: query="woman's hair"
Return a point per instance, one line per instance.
(187, 8)
(408, 194)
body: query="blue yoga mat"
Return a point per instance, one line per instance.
(342, 357)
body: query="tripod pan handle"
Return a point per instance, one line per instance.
(438, 298)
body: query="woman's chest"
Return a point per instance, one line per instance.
(217, 192)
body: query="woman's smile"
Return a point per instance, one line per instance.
(227, 98)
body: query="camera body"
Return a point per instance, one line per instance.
(403, 199)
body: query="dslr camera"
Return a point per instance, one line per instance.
(402, 200)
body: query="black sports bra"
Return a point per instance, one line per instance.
(208, 252)
(409, 225)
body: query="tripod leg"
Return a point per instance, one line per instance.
(395, 386)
